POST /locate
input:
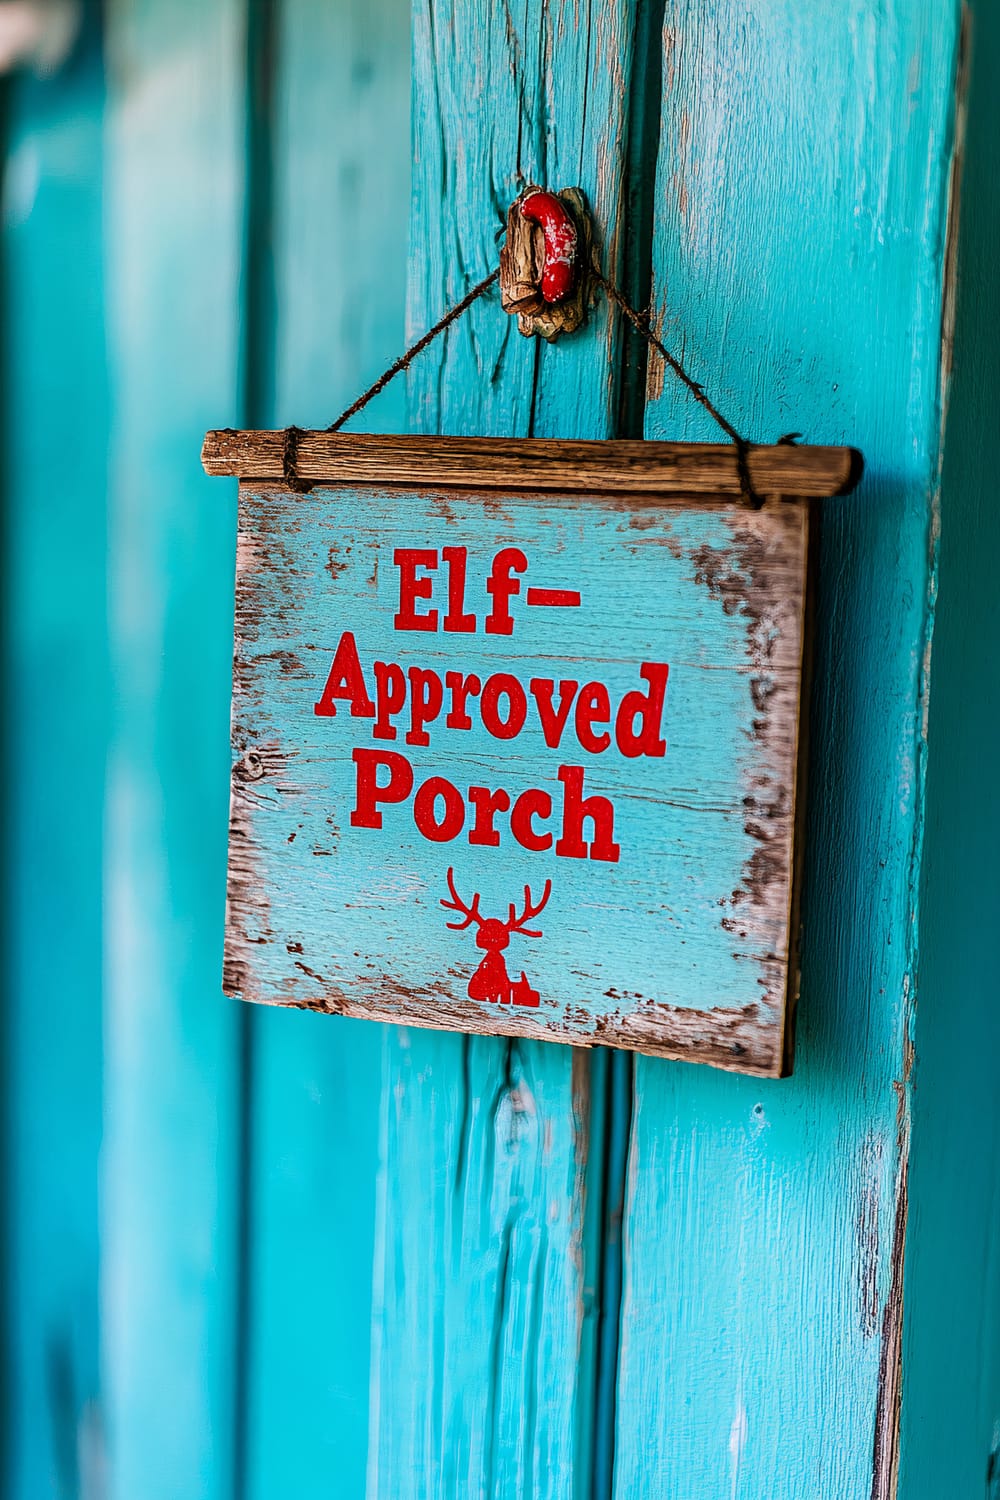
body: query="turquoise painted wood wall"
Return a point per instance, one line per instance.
(258, 1254)
(54, 726)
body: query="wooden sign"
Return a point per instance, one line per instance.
(516, 736)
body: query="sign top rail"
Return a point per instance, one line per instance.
(617, 466)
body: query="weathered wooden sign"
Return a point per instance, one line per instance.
(516, 736)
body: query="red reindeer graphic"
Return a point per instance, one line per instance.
(491, 980)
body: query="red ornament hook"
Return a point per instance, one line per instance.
(559, 231)
(545, 260)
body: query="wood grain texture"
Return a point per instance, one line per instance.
(487, 1255)
(501, 100)
(616, 467)
(340, 153)
(170, 1152)
(680, 945)
(802, 185)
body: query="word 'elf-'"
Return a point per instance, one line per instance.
(416, 564)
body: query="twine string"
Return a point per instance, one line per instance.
(642, 326)
(407, 359)
(640, 322)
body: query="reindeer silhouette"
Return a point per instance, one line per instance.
(491, 980)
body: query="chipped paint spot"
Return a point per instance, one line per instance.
(867, 1232)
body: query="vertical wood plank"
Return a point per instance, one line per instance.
(340, 154)
(55, 709)
(798, 264)
(342, 209)
(489, 1197)
(950, 1439)
(170, 1155)
(499, 102)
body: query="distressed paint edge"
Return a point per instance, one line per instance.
(682, 1034)
(618, 465)
(751, 1040)
(889, 1401)
(887, 1435)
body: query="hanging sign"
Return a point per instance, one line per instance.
(516, 736)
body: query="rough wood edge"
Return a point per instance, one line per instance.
(730, 1040)
(810, 584)
(625, 467)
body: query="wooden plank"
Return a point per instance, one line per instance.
(622, 467)
(341, 155)
(670, 932)
(54, 631)
(486, 1253)
(171, 1149)
(765, 1223)
(949, 1443)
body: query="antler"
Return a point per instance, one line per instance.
(456, 903)
(516, 924)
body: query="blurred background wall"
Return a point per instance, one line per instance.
(191, 192)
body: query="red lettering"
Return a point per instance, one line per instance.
(500, 585)
(425, 813)
(553, 720)
(576, 807)
(461, 688)
(502, 684)
(648, 710)
(593, 707)
(346, 680)
(456, 618)
(390, 695)
(412, 588)
(534, 803)
(368, 792)
(426, 696)
(487, 805)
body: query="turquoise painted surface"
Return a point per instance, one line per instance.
(170, 1211)
(951, 1385)
(339, 207)
(801, 203)
(761, 1235)
(54, 724)
(351, 915)
(488, 1338)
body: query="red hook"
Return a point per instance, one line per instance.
(559, 230)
